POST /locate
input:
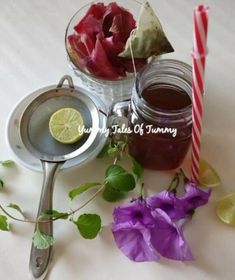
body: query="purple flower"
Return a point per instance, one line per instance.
(168, 202)
(168, 239)
(144, 230)
(142, 234)
(132, 231)
(194, 197)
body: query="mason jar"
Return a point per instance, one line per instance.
(160, 115)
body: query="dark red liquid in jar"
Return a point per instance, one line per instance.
(157, 150)
(166, 98)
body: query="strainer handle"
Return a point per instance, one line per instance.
(40, 258)
(68, 79)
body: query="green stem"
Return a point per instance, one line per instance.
(115, 160)
(14, 218)
(83, 205)
(174, 183)
(57, 218)
(120, 151)
(183, 175)
(142, 191)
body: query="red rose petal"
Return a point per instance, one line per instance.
(78, 52)
(99, 63)
(122, 26)
(119, 21)
(112, 46)
(88, 42)
(91, 26)
(94, 14)
(97, 10)
(77, 46)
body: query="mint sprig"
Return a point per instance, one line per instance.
(116, 184)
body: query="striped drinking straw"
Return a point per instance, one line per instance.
(198, 60)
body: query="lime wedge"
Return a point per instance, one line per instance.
(66, 125)
(225, 209)
(208, 177)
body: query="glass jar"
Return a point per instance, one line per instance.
(159, 138)
(109, 90)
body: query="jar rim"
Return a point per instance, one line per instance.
(166, 68)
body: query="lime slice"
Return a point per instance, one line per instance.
(208, 177)
(225, 209)
(66, 125)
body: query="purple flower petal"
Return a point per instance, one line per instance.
(169, 203)
(134, 241)
(194, 197)
(136, 211)
(168, 240)
(132, 231)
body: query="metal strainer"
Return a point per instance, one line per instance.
(37, 139)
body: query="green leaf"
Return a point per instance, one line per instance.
(7, 163)
(16, 207)
(104, 151)
(75, 192)
(137, 168)
(88, 225)
(121, 144)
(118, 178)
(112, 151)
(1, 184)
(41, 240)
(4, 223)
(111, 195)
(120, 156)
(56, 214)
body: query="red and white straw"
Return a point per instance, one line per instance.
(199, 58)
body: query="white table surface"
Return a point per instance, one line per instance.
(32, 55)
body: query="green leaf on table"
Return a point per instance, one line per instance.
(88, 225)
(118, 178)
(42, 240)
(16, 207)
(76, 191)
(56, 214)
(111, 195)
(4, 226)
(1, 184)
(137, 168)
(7, 163)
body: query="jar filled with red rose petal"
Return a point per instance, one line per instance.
(94, 36)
